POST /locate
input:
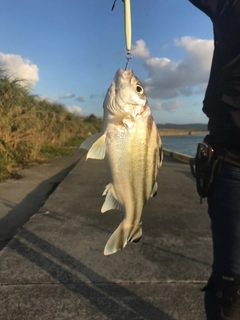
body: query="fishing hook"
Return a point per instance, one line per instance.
(128, 57)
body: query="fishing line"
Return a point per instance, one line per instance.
(127, 27)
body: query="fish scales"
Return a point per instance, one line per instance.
(131, 146)
(133, 174)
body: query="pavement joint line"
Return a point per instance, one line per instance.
(105, 283)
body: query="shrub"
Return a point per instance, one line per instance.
(29, 125)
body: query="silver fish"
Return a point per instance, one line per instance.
(131, 146)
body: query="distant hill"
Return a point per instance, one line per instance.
(188, 126)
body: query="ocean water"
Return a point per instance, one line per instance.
(183, 144)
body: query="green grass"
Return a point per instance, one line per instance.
(74, 141)
(51, 151)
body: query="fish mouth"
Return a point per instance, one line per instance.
(123, 75)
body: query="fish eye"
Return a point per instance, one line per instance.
(139, 89)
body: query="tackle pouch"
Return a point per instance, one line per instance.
(205, 168)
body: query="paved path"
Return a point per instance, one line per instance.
(20, 199)
(54, 268)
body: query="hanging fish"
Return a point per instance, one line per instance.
(131, 146)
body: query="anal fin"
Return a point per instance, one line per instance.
(110, 202)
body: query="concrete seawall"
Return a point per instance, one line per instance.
(179, 132)
(176, 155)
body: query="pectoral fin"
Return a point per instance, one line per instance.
(160, 157)
(154, 190)
(96, 146)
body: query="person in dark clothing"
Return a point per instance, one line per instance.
(222, 106)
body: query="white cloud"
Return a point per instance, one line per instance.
(140, 50)
(44, 97)
(80, 99)
(168, 78)
(165, 47)
(18, 67)
(156, 106)
(198, 50)
(197, 104)
(68, 95)
(74, 109)
(171, 106)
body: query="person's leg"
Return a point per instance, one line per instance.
(222, 296)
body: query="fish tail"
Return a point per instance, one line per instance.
(122, 235)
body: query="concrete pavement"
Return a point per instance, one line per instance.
(21, 198)
(54, 267)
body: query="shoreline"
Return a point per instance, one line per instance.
(179, 132)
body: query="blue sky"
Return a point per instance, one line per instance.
(69, 51)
